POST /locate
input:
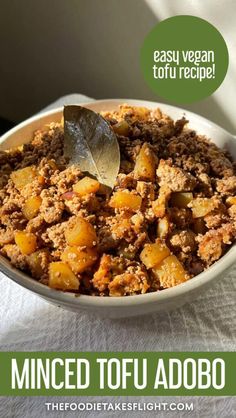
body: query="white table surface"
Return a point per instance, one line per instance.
(29, 323)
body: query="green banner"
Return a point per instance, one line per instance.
(126, 373)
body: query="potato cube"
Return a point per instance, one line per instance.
(170, 272)
(86, 186)
(23, 176)
(145, 165)
(231, 200)
(153, 254)
(121, 128)
(163, 226)
(31, 207)
(79, 260)
(125, 200)
(81, 234)
(181, 199)
(26, 242)
(201, 206)
(61, 277)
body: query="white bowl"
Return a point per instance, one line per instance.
(116, 307)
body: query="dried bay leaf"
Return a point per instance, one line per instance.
(91, 143)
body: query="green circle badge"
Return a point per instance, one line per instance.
(184, 59)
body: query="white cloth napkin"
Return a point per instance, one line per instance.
(29, 323)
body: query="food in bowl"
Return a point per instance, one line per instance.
(171, 213)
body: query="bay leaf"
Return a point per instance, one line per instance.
(91, 143)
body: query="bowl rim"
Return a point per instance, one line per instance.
(143, 102)
(160, 297)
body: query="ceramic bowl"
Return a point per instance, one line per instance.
(116, 307)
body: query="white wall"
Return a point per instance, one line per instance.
(49, 48)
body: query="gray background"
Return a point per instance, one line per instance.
(50, 48)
